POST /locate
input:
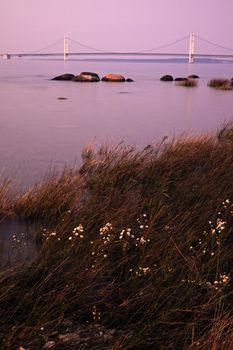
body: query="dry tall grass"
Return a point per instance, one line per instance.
(5, 199)
(139, 243)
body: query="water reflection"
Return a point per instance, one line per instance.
(17, 244)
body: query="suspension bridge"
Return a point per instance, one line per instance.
(66, 52)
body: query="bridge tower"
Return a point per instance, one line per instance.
(66, 48)
(191, 48)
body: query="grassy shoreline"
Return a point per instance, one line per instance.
(135, 252)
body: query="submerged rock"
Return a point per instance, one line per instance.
(113, 78)
(181, 79)
(66, 76)
(88, 77)
(221, 84)
(186, 82)
(167, 77)
(193, 76)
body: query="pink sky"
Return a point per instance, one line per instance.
(115, 25)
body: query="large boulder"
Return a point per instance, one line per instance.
(167, 77)
(66, 76)
(113, 78)
(88, 77)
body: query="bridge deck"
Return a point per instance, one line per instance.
(159, 54)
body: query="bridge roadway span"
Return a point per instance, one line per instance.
(70, 54)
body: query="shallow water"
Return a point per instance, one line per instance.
(17, 244)
(38, 131)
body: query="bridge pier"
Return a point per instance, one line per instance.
(6, 56)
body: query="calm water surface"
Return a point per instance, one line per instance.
(38, 131)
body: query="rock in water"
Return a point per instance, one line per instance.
(91, 73)
(181, 79)
(193, 76)
(65, 76)
(88, 77)
(167, 77)
(113, 78)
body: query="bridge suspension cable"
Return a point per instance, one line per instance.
(212, 43)
(104, 50)
(137, 51)
(86, 46)
(46, 47)
(164, 46)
